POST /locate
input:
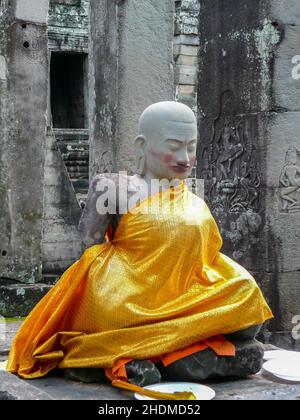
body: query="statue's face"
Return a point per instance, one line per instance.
(172, 154)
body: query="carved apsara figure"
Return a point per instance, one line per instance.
(290, 182)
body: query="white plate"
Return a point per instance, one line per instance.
(3, 365)
(284, 368)
(274, 354)
(201, 392)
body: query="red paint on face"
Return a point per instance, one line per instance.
(168, 159)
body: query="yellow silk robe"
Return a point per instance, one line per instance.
(160, 285)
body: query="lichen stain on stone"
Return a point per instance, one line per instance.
(106, 117)
(264, 40)
(21, 292)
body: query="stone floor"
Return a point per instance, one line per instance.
(258, 387)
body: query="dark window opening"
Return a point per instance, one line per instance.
(68, 93)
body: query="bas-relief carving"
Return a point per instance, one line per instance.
(106, 163)
(232, 178)
(230, 168)
(243, 233)
(289, 182)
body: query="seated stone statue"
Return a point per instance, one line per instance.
(152, 297)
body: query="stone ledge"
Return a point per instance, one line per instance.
(55, 387)
(19, 299)
(13, 388)
(283, 340)
(257, 387)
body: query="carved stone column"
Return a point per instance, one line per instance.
(103, 83)
(24, 79)
(249, 143)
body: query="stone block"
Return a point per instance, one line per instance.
(57, 266)
(14, 388)
(61, 251)
(53, 176)
(186, 92)
(286, 79)
(32, 11)
(186, 40)
(190, 50)
(237, 54)
(283, 134)
(286, 12)
(19, 300)
(23, 148)
(185, 75)
(283, 235)
(191, 102)
(60, 231)
(289, 302)
(187, 24)
(187, 60)
(59, 212)
(146, 66)
(190, 5)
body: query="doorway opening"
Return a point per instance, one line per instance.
(68, 81)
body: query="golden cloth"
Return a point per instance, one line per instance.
(161, 284)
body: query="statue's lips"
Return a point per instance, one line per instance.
(180, 169)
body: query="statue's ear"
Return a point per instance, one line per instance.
(139, 153)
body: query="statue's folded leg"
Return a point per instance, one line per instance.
(246, 334)
(206, 364)
(202, 365)
(142, 373)
(139, 372)
(86, 375)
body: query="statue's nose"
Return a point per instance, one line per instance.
(183, 158)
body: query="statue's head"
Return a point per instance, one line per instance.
(167, 141)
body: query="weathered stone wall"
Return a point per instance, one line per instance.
(185, 50)
(5, 219)
(68, 24)
(24, 101)
(61, 244)
(245, 131)
(283, 172)
(186, 46)
(103, 85)
(146, 70)
(67, 151)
